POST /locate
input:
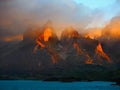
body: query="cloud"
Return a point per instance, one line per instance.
(112, 29)
(17, 15)
(12, 38)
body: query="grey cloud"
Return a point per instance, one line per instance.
(63, 13)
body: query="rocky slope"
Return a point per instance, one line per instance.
(42, 55)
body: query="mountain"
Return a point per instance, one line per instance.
(42, 55)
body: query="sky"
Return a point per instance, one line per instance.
(18, 15)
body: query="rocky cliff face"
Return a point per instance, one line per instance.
(41, 51)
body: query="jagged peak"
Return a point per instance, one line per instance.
(69, 33)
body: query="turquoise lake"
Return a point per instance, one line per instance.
(41, 85)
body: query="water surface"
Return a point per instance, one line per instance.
(40, 85)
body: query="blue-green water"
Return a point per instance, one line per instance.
(40, 85)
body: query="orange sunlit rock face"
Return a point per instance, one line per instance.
(88, 61)
(54, 56)
(47, 34)
(79, 51)
(101, 53)
(76, 46)
(13, 38)
(41, 42)
(43, 37)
